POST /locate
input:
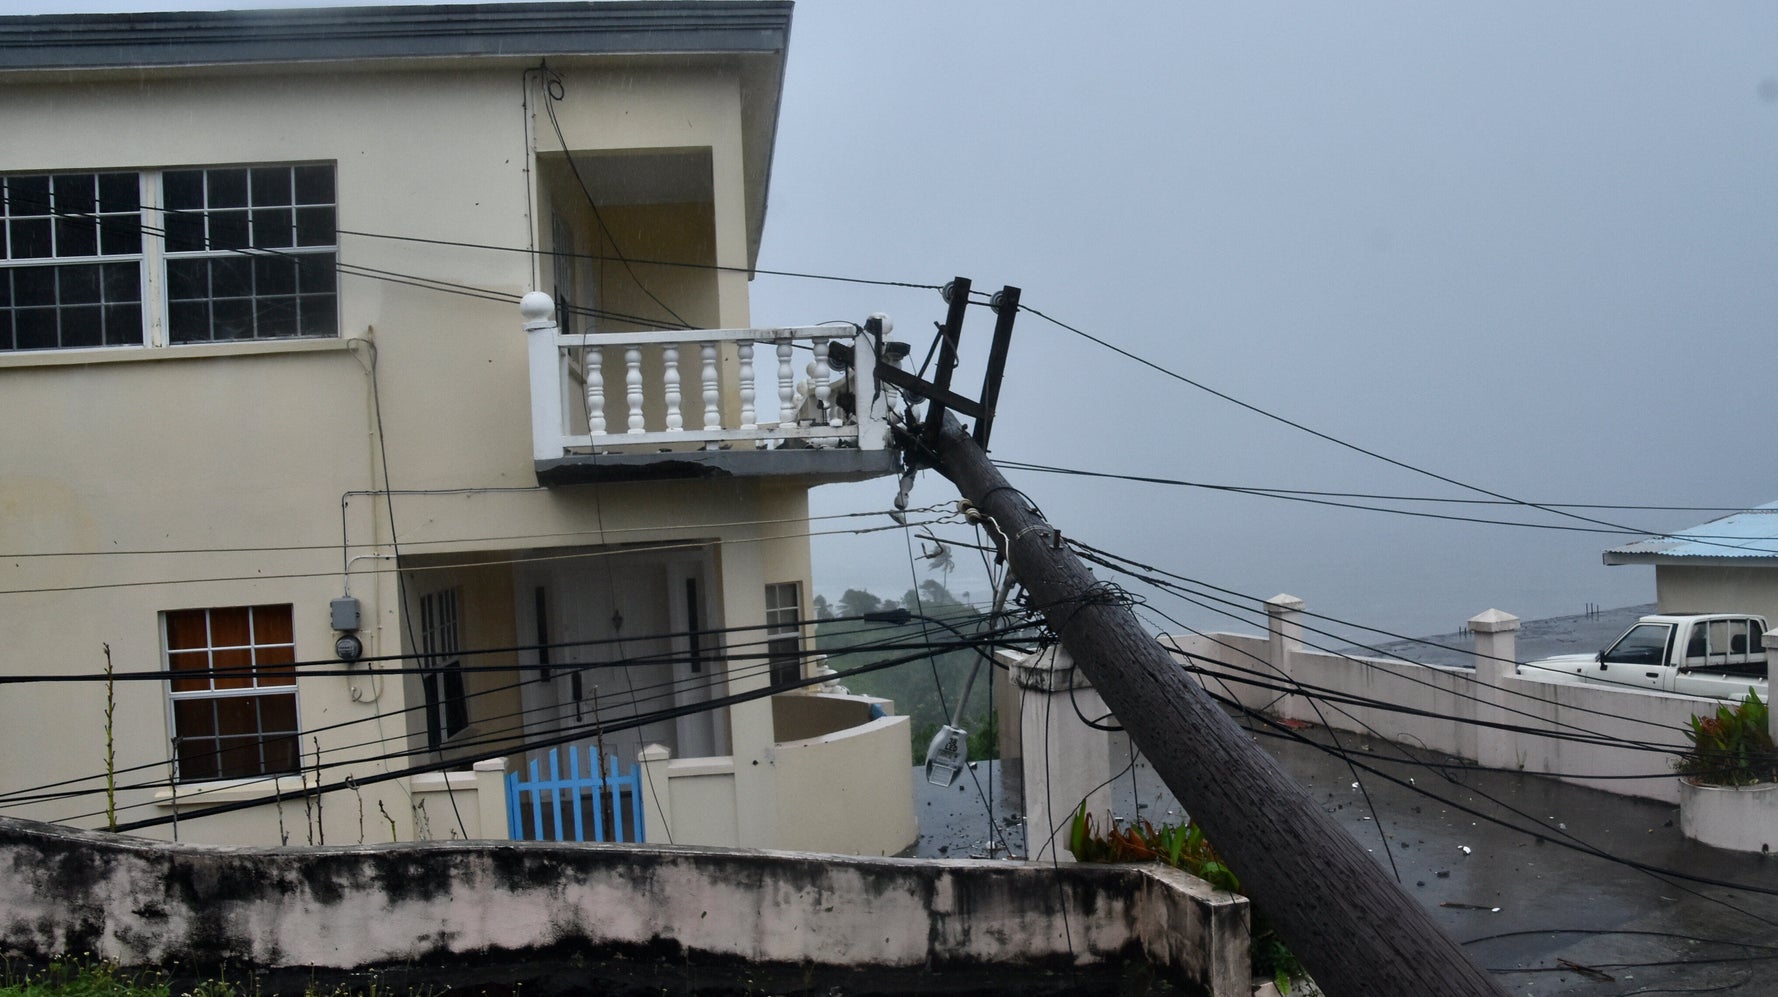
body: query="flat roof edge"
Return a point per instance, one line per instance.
(205, 38)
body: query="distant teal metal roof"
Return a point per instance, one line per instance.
(1745, 538)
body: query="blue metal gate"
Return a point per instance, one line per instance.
(559, 808)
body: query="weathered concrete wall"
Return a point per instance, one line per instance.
(141, 902)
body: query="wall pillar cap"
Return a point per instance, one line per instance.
(1493, 621)
(537, 310)
(1770, 640)
(1049, 670)
(491, 765)
(1285, 602)
(654, 753)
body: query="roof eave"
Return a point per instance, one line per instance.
(51, 42)
(1614, 557)
(755, 32)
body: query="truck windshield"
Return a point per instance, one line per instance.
(1645, 644)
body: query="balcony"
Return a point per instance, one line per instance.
(625, 406)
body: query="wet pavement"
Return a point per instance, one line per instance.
(1556, 888)
(1538, 878)
(972, 819)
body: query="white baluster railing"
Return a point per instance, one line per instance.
(819, 375)
(633, 388)
(592, 360)
(712, 389)
(786, 385)
(670, 381)
(655, 395)
(748, 416)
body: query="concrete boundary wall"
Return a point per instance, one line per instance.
(142, 902)
(1587, 725)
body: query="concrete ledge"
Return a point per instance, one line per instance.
(832, 464)
(141, 902)
(1738, 818)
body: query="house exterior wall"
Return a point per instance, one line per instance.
(1684, 588)
(266, 463)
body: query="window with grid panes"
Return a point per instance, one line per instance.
(70, 261)
(250, 253)
(241, 253)
(232, 691)
(784, 635)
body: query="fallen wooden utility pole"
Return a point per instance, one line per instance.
(1358, 933)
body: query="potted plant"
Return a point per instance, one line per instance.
(1728, 790)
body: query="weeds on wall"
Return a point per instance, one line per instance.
(393, 836)
(1183, 846)
(110, 742)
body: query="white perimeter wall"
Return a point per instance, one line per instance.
(1583, 734)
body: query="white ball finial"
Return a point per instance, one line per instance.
(537, 309)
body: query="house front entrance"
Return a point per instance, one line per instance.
(619, 653)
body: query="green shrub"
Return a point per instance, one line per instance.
(1732, 747)
(1183, 846)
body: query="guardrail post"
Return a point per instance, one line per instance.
(1065, 761)
(656, 794)
(1495, 645)
(1284, 640)
(1496, 651)
(538, 311)
(490, 798)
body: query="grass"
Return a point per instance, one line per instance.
(82, 978)
(88, 977)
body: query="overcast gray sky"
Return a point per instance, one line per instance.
(1530, 246)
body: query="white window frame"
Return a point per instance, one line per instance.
(153, 258)
(784, 631)
(18, 213)
(253, 648)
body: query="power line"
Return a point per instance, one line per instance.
(638, 261)
(1321, 694)
(511, 537)
(497, 737)
(758, 664)
(1107, 560)
(350, 269)
(553, 91)
(580, 732)
(526, 251)
(1555, 835)
(1339, 751)
(1320, 498)
(1283, 492)
(1318, 434)
(686, 545)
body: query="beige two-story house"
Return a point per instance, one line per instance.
(378, 398)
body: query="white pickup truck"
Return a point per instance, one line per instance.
(1719, 655)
